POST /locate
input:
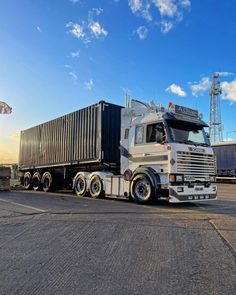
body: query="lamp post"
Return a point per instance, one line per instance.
(4, 108)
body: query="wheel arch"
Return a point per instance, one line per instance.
(151, 173)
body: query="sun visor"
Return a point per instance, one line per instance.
(187, 119)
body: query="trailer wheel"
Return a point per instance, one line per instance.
(80, 186)
(27, 181)
(47, 182)
(96, 187)
(36, 181)
(141, 189)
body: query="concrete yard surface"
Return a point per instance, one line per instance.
(61, 244)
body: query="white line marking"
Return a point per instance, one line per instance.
(18, 204)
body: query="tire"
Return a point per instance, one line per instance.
(36, 181)
(96, 187)
(142, 191)
(47, 182)
(27, 181)
(80, 186)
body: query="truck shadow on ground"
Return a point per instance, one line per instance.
(222, 207)
(106, 205)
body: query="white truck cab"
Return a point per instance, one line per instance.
(166, 154)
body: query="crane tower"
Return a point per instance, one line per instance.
(216, 127)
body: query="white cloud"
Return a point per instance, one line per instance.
(163, 13)
(74, 1)
(225, 74)
(166, 7)
(198, 88)
(76, 30)
(166, 26)
(75, 54)
(146, 14)
(97, 29)
(142, 32)
(73, 76)
(89, 85)
(176, 89)
(96, 11)
(228, 87)
(229, 90)
(135, 5)
(185, 3)
(67, 66)
(39, 29)
(90, 29)
(140, 8)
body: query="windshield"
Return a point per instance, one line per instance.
(184, 132)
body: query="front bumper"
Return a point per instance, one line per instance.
(192, 194)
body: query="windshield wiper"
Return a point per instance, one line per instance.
(196, 143)
(190, 142)
(203, 144)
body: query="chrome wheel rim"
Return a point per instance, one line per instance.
(142, 189)
(95, 187)
(80, 185)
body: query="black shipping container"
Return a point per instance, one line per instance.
(85, 137)
(225, 158)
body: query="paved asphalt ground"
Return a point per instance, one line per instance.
(60, 244)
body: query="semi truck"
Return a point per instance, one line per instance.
(225, 153)
(142, 152)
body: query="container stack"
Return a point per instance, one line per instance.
(5, 176)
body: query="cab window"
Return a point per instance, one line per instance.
(155, 133)
(139, 134)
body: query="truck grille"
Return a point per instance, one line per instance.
(196, 164)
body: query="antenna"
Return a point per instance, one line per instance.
(216, 127)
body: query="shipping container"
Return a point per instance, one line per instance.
(225, 153)
(88, 137)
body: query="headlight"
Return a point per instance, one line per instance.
(212, 178)
(176, 178)
(179, 178)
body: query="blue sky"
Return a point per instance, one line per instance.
(59, 56)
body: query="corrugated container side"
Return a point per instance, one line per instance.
(79, 137)
(225, 158)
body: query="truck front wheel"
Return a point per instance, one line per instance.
(96, 187)
(142, 190)
(80, 186)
